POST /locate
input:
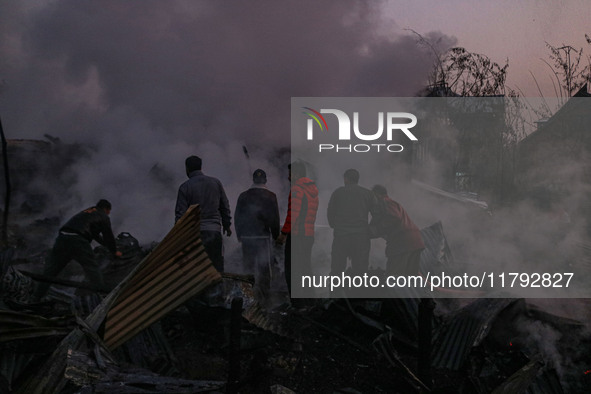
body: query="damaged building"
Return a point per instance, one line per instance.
(553, 161)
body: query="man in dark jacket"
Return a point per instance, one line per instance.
(298, 230)
(73, 243)
(403, 238)
(209, 193)
(256, 221)
(348, 214)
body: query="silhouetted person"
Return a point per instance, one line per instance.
(298, 229)
(257, 223)
(209, 193)
(403, 238)
(73, 243)
(348, 214)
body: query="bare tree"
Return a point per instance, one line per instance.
(483, 149)
(569, 73)
(567, 68)
(471, 74)
(465, 73)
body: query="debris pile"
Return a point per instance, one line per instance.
(170, 325)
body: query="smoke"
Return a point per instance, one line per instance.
(146, 84)
(559, 342)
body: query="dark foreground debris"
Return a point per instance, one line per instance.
(168, 328)
(91, 377)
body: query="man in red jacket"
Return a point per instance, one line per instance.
(403, 238)
(298, 230)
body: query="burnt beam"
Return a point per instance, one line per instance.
(426, 307)
(234, 353)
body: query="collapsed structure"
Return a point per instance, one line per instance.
(139, 338)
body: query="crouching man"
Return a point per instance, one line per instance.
(73, 243)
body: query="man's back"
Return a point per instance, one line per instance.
(348, 209)
(92, 224)
(257, 213)
(401, 232)
(209, 193)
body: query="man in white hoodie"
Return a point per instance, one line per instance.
(209, 193)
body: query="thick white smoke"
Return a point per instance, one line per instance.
(147, 84)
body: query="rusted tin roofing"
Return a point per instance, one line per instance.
(176, 270)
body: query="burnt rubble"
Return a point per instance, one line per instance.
(171, 328)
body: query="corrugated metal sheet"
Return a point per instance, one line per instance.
(583, 260)
(148, 349)
(546, 383)
(520, 380)
(146, 294)
(14, 286)
(466, 329)
(237, 286)
(282, 323)
(437, 255)
(533, 378)
(17, 325)
(176, 270)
